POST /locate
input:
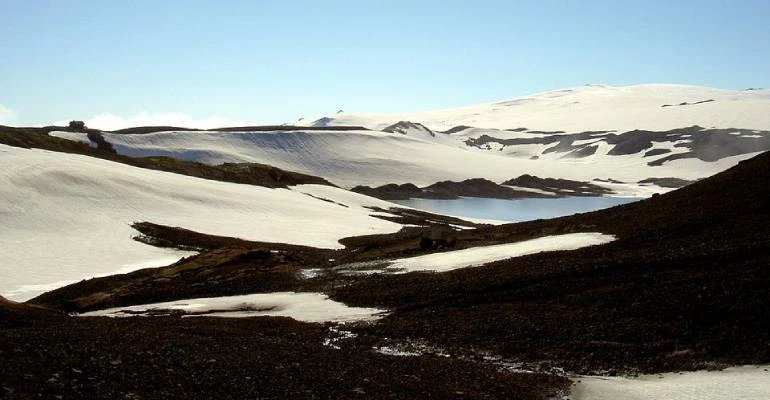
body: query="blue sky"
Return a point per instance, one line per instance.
(275, 61)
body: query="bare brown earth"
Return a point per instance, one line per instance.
(13, 313)
(478, 187)
(201, 358)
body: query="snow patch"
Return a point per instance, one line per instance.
(585, 108)
(747, 382)
(81, 137)
(307, 307)
(395, 352)
(476, 256)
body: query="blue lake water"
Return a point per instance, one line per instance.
(515, 210)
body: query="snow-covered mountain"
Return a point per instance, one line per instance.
(593, 108)
(626, 134)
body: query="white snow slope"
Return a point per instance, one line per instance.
(595, 108)
(744, 383)
(66, 217)
(350, 158)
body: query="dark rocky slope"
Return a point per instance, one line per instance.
(477, 187)
(685, 286)
(14, 314)
(255, 358)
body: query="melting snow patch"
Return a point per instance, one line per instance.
(409, 348)
(747, 382)
(337, 336)
(307, 307)
(635, 190)
(309, 273)
(392, 351)
(531, 190)
(476, 256)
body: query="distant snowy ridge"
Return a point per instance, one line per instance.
(373, 158)
(629, 134)
(594, 108)
(741, 382)
(477, 256)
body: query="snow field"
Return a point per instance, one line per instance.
(737, 383)
(67, 217)
(307, 307)
(595, 108)
(351, 158)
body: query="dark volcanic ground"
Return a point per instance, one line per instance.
(201, 358)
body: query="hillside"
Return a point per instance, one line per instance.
(633, 134)
(352, 158)
(80, 210)
(94, 145)
(682, 287)
(674, 282)
(14, 314)
(657, 107)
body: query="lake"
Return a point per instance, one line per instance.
(516, 210)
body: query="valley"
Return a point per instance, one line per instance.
(125, 251)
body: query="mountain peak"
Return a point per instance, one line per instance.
(409, 128)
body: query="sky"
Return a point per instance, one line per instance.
(214, 63)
